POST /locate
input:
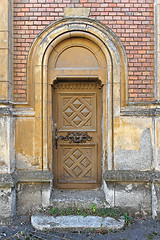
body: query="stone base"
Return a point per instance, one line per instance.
(7, 199)
(134, 191)
(156, 191)
(33, 190)
(22, 192)
(132, 197)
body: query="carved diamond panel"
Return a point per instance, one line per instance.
(68, 112)
(69, 163)
(77, 103)
(85, 162)
(77, 120)
(77, 171)
(77, 154)
(77, 112)
(85, 112)
(78, 163)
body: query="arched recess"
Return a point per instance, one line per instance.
(112, 73)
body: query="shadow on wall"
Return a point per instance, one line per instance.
(136, 160)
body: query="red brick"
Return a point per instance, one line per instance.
(131, 20)
(112, 5)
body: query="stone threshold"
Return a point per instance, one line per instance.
(43, 222)
(78, 198)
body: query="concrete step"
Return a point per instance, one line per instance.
(43, 222)
(78, 198)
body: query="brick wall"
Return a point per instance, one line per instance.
(131, 20)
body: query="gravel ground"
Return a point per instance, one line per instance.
(140, 229)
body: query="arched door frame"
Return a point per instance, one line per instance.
(115, 84)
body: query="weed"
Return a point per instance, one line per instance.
(149, 237)
(84, 214)
(93, 210)
(79, 212)
(101, 232)
(93, 207)
(24, 231)
(127, 218)
(53, 211)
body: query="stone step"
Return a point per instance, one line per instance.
(78, 198)
(43, 222)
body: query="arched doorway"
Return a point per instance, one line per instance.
(74, 68)
(54, 59)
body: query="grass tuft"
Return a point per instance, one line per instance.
(93, 211)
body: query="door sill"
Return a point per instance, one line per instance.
(78, 198)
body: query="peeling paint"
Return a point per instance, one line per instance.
(127, 132)
(136, 160)
(5, 150)
(24, 161)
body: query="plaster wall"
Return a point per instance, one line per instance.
(7, 164)
(133, 143)
(26, 157)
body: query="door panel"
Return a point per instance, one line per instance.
(77, 163)
(77, 111)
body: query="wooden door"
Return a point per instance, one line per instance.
(77, 115)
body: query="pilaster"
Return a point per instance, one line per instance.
(7, 186)
(157, 50)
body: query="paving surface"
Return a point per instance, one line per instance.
(140, 229)
(75, 223)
